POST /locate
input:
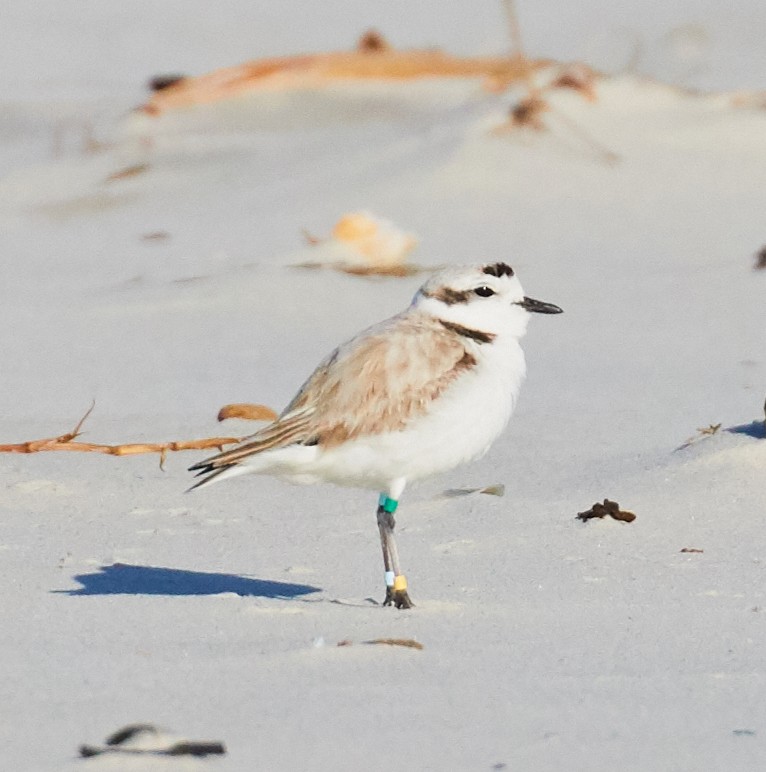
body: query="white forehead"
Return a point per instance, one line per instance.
(468, 277)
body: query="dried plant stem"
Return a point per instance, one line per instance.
(66, 442)
(525, 65)
(702, 433)
(514, 27)
(528, 112)
(607, 156)
(128, 449)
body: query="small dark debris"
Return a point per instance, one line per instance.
(160, 82)
(86, 751)
(200, 750)
(577, 76)
(128, 732)
(760, 260)
(528, 112)
(196, 749)
(129, 171)
(155, 236)
(407, 643)
(372, 42)
(743, 733)
(692, 549)
(611, 508)
(129, 740)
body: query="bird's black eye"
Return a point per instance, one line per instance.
(484, 292)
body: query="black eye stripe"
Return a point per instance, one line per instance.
(484, 291)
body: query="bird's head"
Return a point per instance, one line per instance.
(487, 298)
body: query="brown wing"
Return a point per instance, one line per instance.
(376, 383)
(381, 380)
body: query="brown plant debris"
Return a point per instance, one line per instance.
(760, 260)
(493, 490)
(399, 271)
(579, 77)
(528, 112)
(155, 236)
(374, 59)
(129, 171)
(372, 42)
(66, 442)
(247, 411)
(611, 508)
(160, 82)
(702, 433)
(407, 643)
(395, 271)
(692, 549)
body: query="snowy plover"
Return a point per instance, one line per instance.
(418, 394)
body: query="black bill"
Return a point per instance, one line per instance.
(538, 307)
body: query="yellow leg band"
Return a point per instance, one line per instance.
(400, 583)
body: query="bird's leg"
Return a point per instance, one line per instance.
(382, 526)
(396, 583)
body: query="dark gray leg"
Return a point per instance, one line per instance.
(396, 583)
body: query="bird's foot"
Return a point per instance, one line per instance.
(397, 594)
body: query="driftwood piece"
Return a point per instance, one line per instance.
(373, 59)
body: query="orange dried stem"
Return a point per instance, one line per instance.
(66, 441)
(128, 449)
(317, 70)
(247, 411)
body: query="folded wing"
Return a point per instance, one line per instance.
(376, 383)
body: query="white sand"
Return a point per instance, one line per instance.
(549, 644)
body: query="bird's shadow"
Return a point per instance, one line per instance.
(123, 579)
(755, 429)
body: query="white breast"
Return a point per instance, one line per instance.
(459, 426)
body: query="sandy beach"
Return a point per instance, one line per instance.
(155, 266)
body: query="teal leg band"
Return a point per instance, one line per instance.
(387, 504)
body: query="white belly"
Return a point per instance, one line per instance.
(459, 427)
